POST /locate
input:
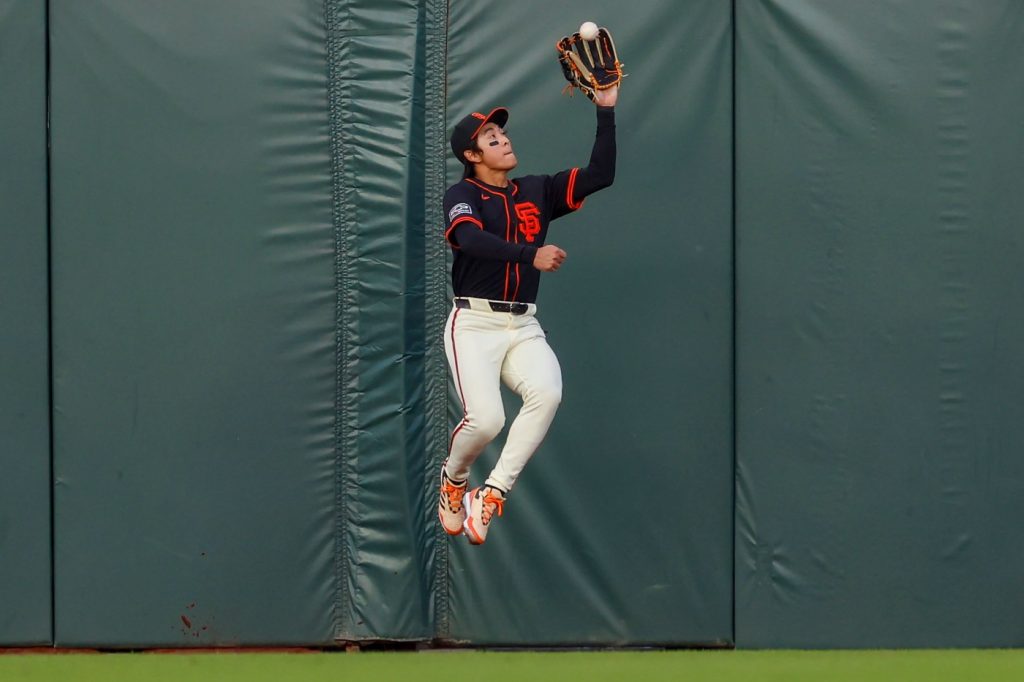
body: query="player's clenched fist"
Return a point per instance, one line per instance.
(549, 258)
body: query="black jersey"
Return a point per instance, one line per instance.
(495, 232)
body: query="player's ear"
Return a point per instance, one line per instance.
(473, 156)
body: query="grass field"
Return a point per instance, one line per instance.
(427, 666)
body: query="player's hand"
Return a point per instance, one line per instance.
(607, 98)
(549, 258)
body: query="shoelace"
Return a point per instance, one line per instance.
(454, 494)
(492, 503)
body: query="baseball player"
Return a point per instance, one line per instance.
(497, 227)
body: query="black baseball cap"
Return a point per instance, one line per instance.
(469, 127)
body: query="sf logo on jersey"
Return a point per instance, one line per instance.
(527, 213)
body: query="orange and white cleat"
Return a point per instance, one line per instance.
(481, 505)
(450, 509)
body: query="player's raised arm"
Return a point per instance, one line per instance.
(600, 172)
(590, 63)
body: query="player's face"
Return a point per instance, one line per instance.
(495, 148)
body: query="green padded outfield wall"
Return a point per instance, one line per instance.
(24, 342)
(387, 521)
(879, 329)
(194, 307)
(250, 386)
(619, 531)
(242, 448)
(250, 397)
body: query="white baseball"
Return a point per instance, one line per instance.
(588, 30)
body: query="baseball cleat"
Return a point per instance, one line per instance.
(450, 509)
(481, 505)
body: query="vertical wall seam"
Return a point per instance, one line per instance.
(735, 308)
(49, 337)
(417, 308)
(335, 99)
(436, 371)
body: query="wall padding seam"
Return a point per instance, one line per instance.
(436, 371)
(334, 12)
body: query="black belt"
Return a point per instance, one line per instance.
(498, 306)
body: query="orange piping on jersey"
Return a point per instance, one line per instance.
(508, 228)
(515, 236)
(483, 187)
(466, 219)
(508, 225)
(571, 189)
(461, 219)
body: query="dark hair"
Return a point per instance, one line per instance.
(467, 166)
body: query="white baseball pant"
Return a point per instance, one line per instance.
(486, 347)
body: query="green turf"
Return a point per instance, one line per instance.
(717, 666)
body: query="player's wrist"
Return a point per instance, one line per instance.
(605, 117)
(527, 255)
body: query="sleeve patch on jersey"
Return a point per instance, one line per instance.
(459, 209)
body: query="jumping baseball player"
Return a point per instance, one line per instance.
(497, 228)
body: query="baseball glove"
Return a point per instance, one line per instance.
(593, 65)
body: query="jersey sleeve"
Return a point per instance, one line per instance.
(562, 192)
(460, 206)
(567, 190)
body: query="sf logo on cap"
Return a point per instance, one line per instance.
(527, 213)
